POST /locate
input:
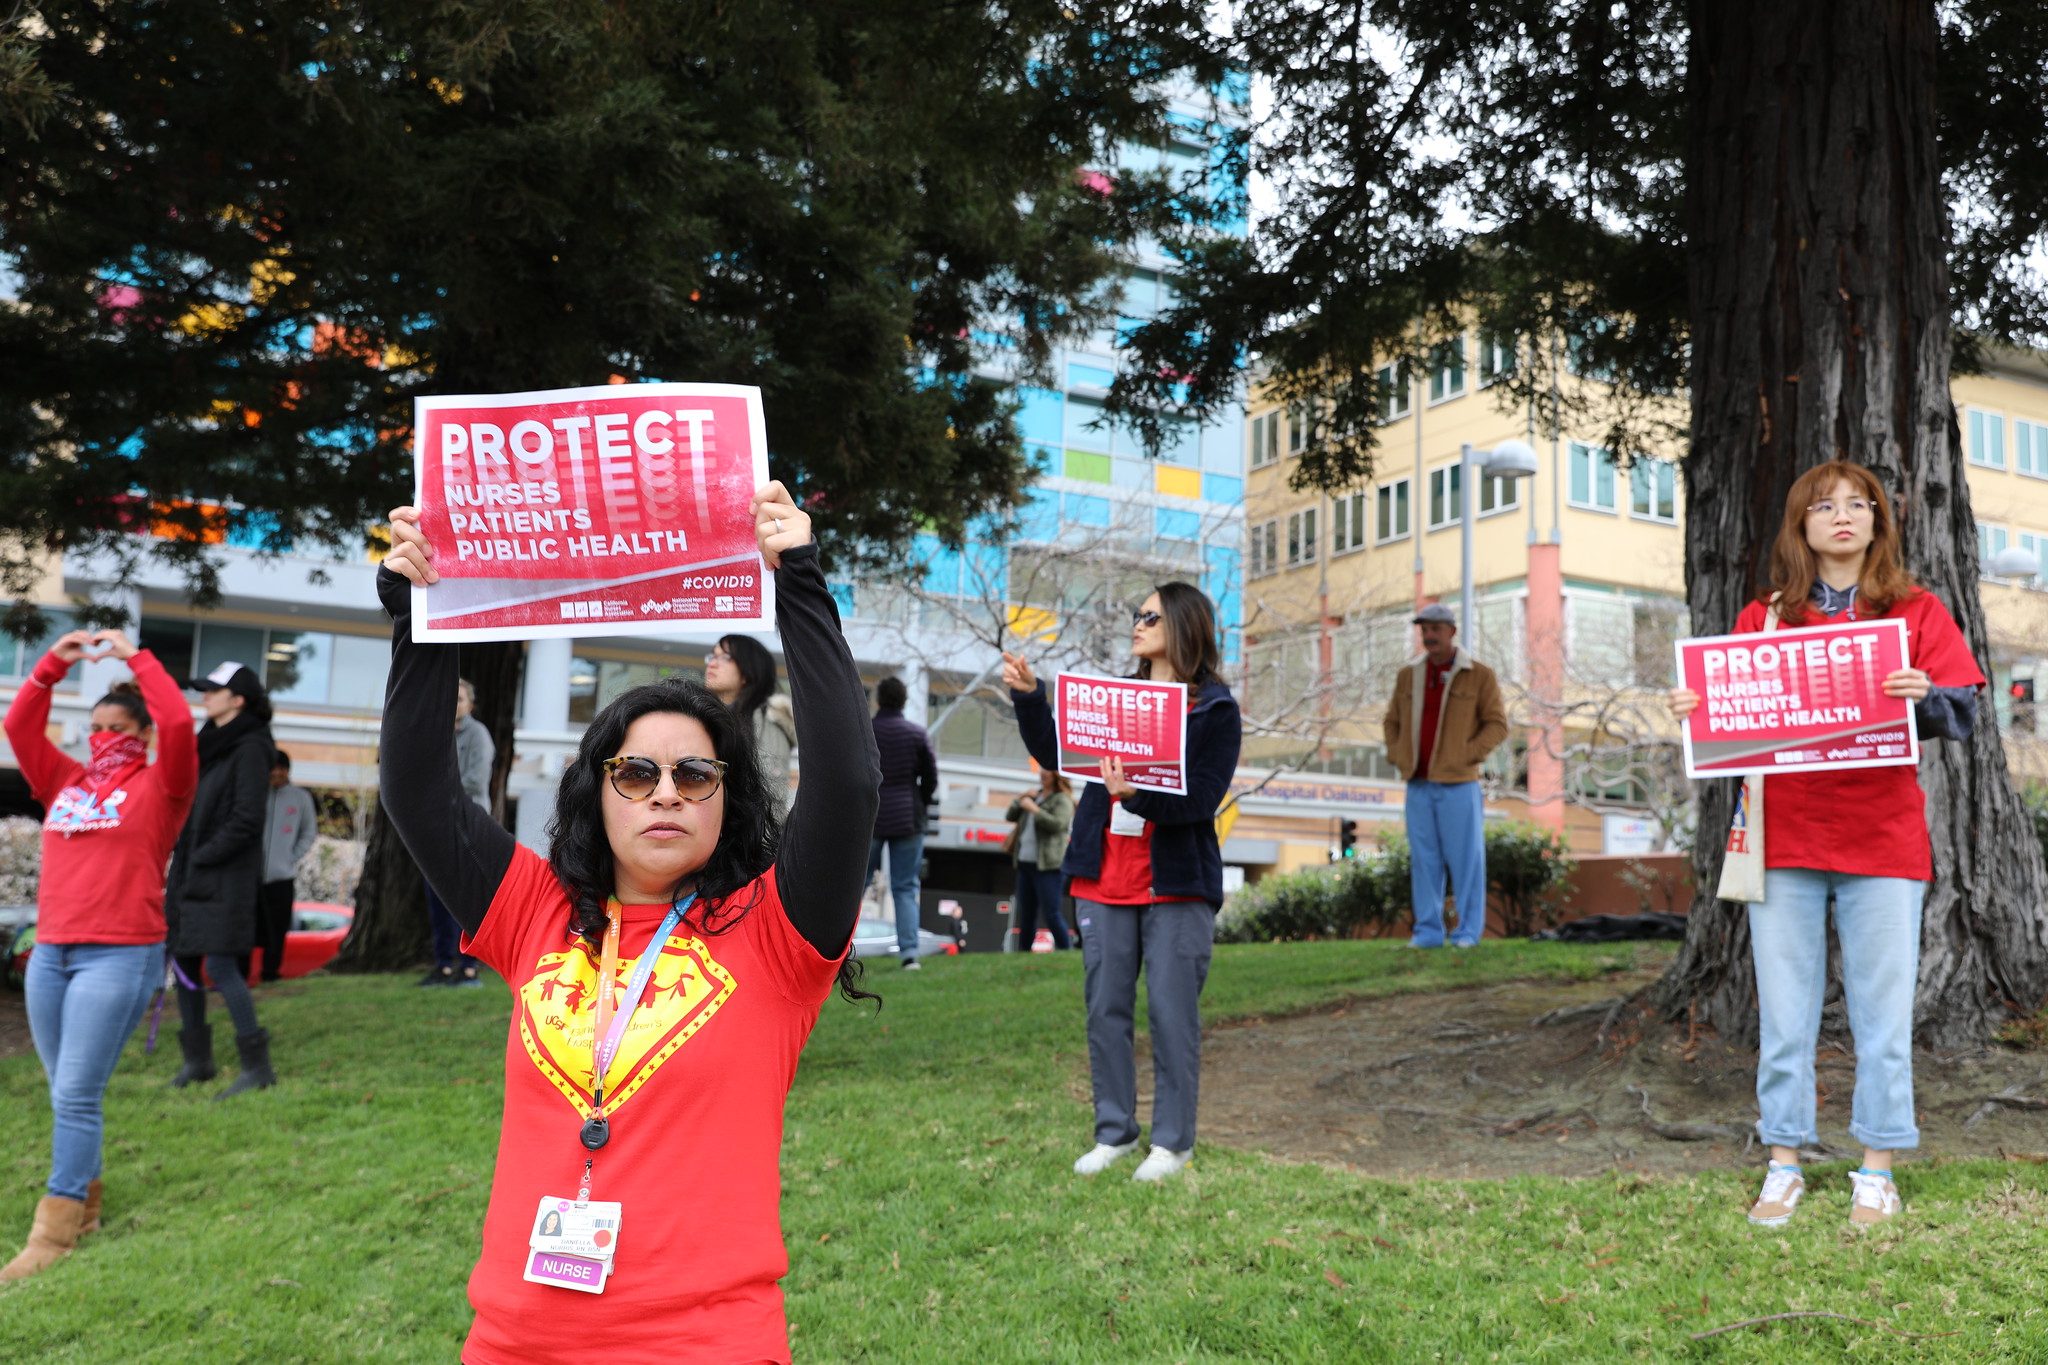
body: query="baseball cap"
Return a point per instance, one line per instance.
(237, 678)
(1436, 611)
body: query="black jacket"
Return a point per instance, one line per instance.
(217, 866)
(910, 775)
(1186, 862)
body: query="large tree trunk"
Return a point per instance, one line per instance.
(1820, 329)
(390, 931)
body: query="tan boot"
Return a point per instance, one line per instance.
(91, 1222)
(52, 1238)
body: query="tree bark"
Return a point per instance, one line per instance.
(1818, 238)
(390, 931)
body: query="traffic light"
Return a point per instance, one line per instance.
(1347, 837)
(2023, 704)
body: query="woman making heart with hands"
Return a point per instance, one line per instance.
(99, 951)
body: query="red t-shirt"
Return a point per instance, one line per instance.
(1869, 822)
(1432, 712)
(695, 1108)
(1126, 876)
(104, 854)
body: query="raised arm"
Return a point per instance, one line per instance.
(823, 862)
(46, 767)
(461, 849)
(177, 752)
(1034, 714)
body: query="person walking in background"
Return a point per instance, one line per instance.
(1445, 717)
(1039, 844)
(1147, 881)
(1855, 836)
(99, 905)
(217, 876)
(289, 829)
(910, 783)
(475, 752)
(741, 673)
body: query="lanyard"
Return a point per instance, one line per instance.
(610, 1028)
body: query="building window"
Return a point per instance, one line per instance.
(1347, 524)
(1446, 496)
(1990, 540)
(1496, 358)
(1498, 494)
(1301, 423)
(1395, 397)
(1265, 555)
(2035, 546)
(1301, 537)
(1987, 439)
(2030, 448)
(1447, 370)
(1592, 478)
(1653, 490)
(1266, 438)
(1391, 513)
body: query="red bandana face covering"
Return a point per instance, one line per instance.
(114, 758)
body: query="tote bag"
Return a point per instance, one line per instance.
(1742, 867)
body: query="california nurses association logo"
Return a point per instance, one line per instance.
(558, 1015)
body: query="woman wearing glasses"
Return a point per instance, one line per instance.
(1857, 836)
(669, 931)
(741, 673)
(1147, 879)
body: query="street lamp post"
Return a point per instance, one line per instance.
(1511, 459)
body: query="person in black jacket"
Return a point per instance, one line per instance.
(910, 782)
(216, 876)
(1147, 880)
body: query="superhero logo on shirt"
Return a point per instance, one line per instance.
(76, 810)
(558, 1014)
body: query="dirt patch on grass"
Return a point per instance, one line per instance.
(1542, 1078)
(14, 1036)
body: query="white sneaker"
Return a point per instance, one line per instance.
(1783, 1188)
(1160, 1163)
(1875, 1197)
(910, 965)
(1101, 1156)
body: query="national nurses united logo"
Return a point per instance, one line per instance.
(558, 1014)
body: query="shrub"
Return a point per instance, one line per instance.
(1311, 903)
(1529, 870)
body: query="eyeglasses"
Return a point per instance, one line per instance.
(636, 779)
(717, 656)
(1856, 507)
(1146, 618)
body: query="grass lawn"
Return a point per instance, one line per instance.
(931, 1213)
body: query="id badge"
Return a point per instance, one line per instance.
(572, 1244)
(1123, 822)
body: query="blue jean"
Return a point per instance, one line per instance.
(1446, 827)
(1037, 899)
(906, 851)
(1877, 920)
(84, 999)
(448, 954)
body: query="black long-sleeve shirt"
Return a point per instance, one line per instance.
(822, 863)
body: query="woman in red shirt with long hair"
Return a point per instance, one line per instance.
(99, 904)
(1855, 837)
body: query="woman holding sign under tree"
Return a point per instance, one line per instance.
(667, 961)
(1147, 879)
(1857, 837)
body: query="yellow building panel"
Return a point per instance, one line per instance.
(1181, 483)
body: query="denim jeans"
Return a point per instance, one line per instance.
(84, 999)
(1446, 827)
(1036, 902)
(447, 930)
(1877, 920)
(905, 853)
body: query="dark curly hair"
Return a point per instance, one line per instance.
(581, 854)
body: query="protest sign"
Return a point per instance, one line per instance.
(1143, 723)
(1797, 700)
(621, 509)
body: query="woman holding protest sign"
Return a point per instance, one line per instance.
(1856, 836)
(1147, 879)
(100, 904)
(740, 671)
(667, 961)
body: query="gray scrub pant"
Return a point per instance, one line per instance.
(1172, 941)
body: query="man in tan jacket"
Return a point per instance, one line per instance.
(1445, 718)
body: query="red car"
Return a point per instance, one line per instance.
(314, 938)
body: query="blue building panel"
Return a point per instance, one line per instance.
(941, 566)
(1039, 416)
(1130, 472)
(1089, 376)
(1084, 509)
(1039, 517)
(1175, 524)
(1223, 488)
